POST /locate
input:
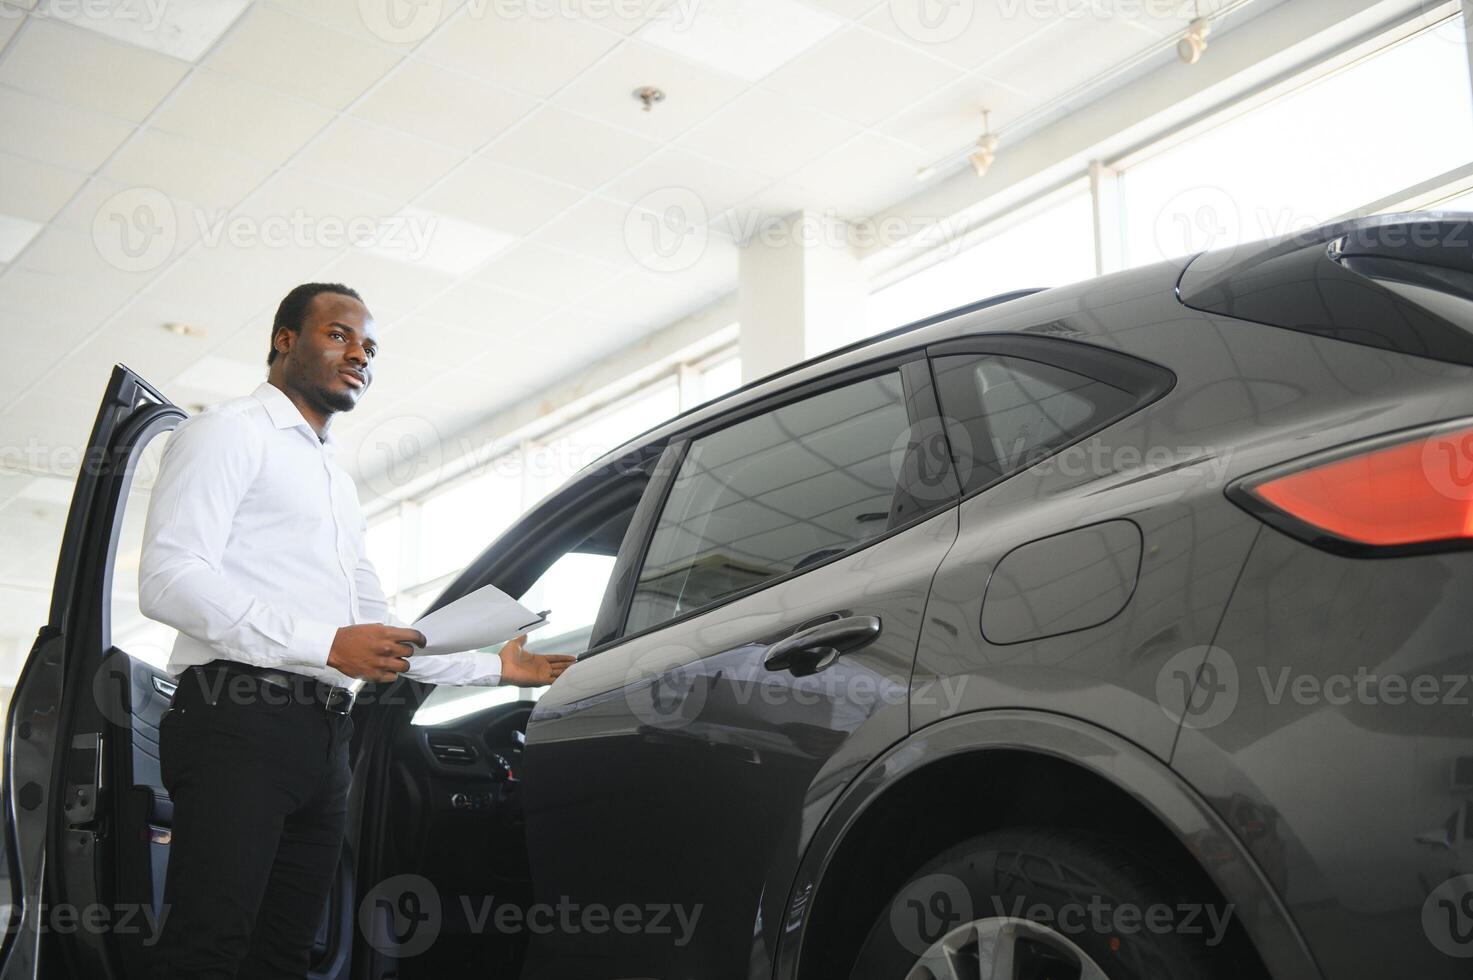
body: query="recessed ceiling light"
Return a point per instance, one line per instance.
(185, 329)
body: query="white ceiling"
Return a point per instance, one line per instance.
(505, 130)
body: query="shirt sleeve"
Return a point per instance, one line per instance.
(207, 468)
(468, 669)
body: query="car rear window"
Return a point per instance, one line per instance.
(1003, 414)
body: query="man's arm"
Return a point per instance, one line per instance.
(512, 664)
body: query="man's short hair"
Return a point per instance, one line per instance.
(292, 313)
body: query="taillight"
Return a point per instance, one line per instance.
(1411, 495)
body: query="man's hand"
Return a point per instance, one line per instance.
(530, 669)
(373, 651)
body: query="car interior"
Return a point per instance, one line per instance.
(442, 774)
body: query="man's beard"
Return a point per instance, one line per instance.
(336, 401)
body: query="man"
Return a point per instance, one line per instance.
(253, 549)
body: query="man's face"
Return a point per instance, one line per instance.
(330, 362)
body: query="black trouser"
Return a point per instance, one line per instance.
(259, 781)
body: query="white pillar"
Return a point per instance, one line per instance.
(802, 292)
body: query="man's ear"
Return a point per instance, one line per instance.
(281, 341)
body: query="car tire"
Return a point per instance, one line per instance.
(1028, 904)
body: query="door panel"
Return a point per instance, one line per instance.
(721, 768)
(778, 606)
(73, 743)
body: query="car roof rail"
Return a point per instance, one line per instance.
(981, 304)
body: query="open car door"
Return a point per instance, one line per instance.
(86, 816)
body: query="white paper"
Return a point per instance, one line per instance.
(482, 618)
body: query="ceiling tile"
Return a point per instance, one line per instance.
(444, 106)
(853, 9)
(53, 133)
(34, 190)
(391, 290)
(379, 22)
(746, 38)
(216, 283)
(857, 179)
(321, 203)
(606, 90)
(221, 376)
(239, 116)
(48, 342)
(536, 54)
(966, 34)
(596, 228)
(180, 30)
(570, 148)
(438, 241)
(15, 234)
(716, 185)
(486, 310)
(10, 21)
(29, 293)
(767, 132)
(1067, 53)
(893, 77)
(538, 271)
(88, 70)
(304, 59)
(498, 197)
(372, 158)
(67, 253)
(186, 170)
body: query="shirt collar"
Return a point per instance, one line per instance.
(284, 413)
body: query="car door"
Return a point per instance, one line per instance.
(88, 820)
(752, 655)
(81, 766)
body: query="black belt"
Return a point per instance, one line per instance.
(299, 688)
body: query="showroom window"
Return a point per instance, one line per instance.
(1050, 247)
(772, 494)
(1335, 145)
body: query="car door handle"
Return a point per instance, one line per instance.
(811, 650)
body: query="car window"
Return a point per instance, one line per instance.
(775, 493)
(135, 634)
(571, 587)
(1003, 414)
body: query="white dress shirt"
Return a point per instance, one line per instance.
(253, 548)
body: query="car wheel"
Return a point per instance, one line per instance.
(1039, 905)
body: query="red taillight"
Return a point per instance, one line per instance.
(1410, 493)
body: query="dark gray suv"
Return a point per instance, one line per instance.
(1120, 630)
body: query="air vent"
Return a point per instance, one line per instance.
(452, 750)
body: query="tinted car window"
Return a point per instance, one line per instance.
(774, 493)
(1006, 413)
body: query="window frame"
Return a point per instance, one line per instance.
(925, 419)
(1148, 381)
